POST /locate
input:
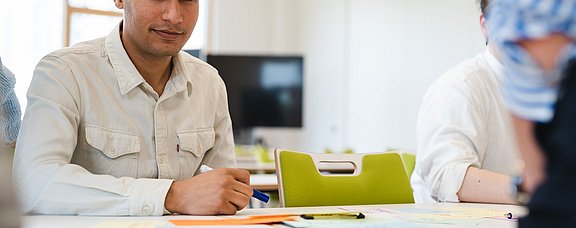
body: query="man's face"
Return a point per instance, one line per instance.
(157, 28)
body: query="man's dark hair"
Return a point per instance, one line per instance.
(483, 5)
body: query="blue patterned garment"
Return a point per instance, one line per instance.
(9, 106)
(529, 91)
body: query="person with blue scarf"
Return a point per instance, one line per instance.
(9, 107)
(538, 39)
(9, 126)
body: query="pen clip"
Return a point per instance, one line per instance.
(177, 143)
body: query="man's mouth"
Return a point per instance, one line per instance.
(168, 34)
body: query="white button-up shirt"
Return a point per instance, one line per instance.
(462, 122)
(97, 140)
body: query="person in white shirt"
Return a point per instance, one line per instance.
(120, 125)
(465, 142)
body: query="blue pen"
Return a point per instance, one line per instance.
(255, 193)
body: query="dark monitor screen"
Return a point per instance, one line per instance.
(194, 52)
(263, 91)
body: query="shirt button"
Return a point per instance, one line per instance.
(112, 150)
(162, 159)
(147, 210)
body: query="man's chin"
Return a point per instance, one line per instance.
(165, 52)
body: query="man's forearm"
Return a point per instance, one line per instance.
(485, 186)
(534, 159)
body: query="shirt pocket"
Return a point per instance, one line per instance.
(193, 144)
(112, 152)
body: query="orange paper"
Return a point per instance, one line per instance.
(258, 219)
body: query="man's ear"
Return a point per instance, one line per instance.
(483, 27)
(119, 4)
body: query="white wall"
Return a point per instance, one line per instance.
(252, 26)
(367, 62)
(29, 30)
(323, 35)
(397, 48)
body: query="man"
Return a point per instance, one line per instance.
(120, 125)
(538, 39)
(464, 150)
(9, 108)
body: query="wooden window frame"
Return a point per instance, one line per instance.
(72, 10)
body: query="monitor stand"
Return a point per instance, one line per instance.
(244, 136)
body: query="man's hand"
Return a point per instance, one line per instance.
(221, 191)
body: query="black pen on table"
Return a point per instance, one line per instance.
(336, 215)
(255, 192)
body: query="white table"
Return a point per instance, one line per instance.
(399, 215)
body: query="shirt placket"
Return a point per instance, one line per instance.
(160, 133)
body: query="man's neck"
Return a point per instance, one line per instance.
(155, 70)
(494, 52)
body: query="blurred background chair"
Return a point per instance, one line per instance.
(409, 161)
(375, 178)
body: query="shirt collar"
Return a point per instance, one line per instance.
(179, 79)
(126, 73)
(493, 62)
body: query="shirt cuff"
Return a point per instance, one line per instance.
(166, 211)
(148, 195)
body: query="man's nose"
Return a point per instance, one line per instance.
(172, 12)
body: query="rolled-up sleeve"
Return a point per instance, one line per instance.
(449, 137)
